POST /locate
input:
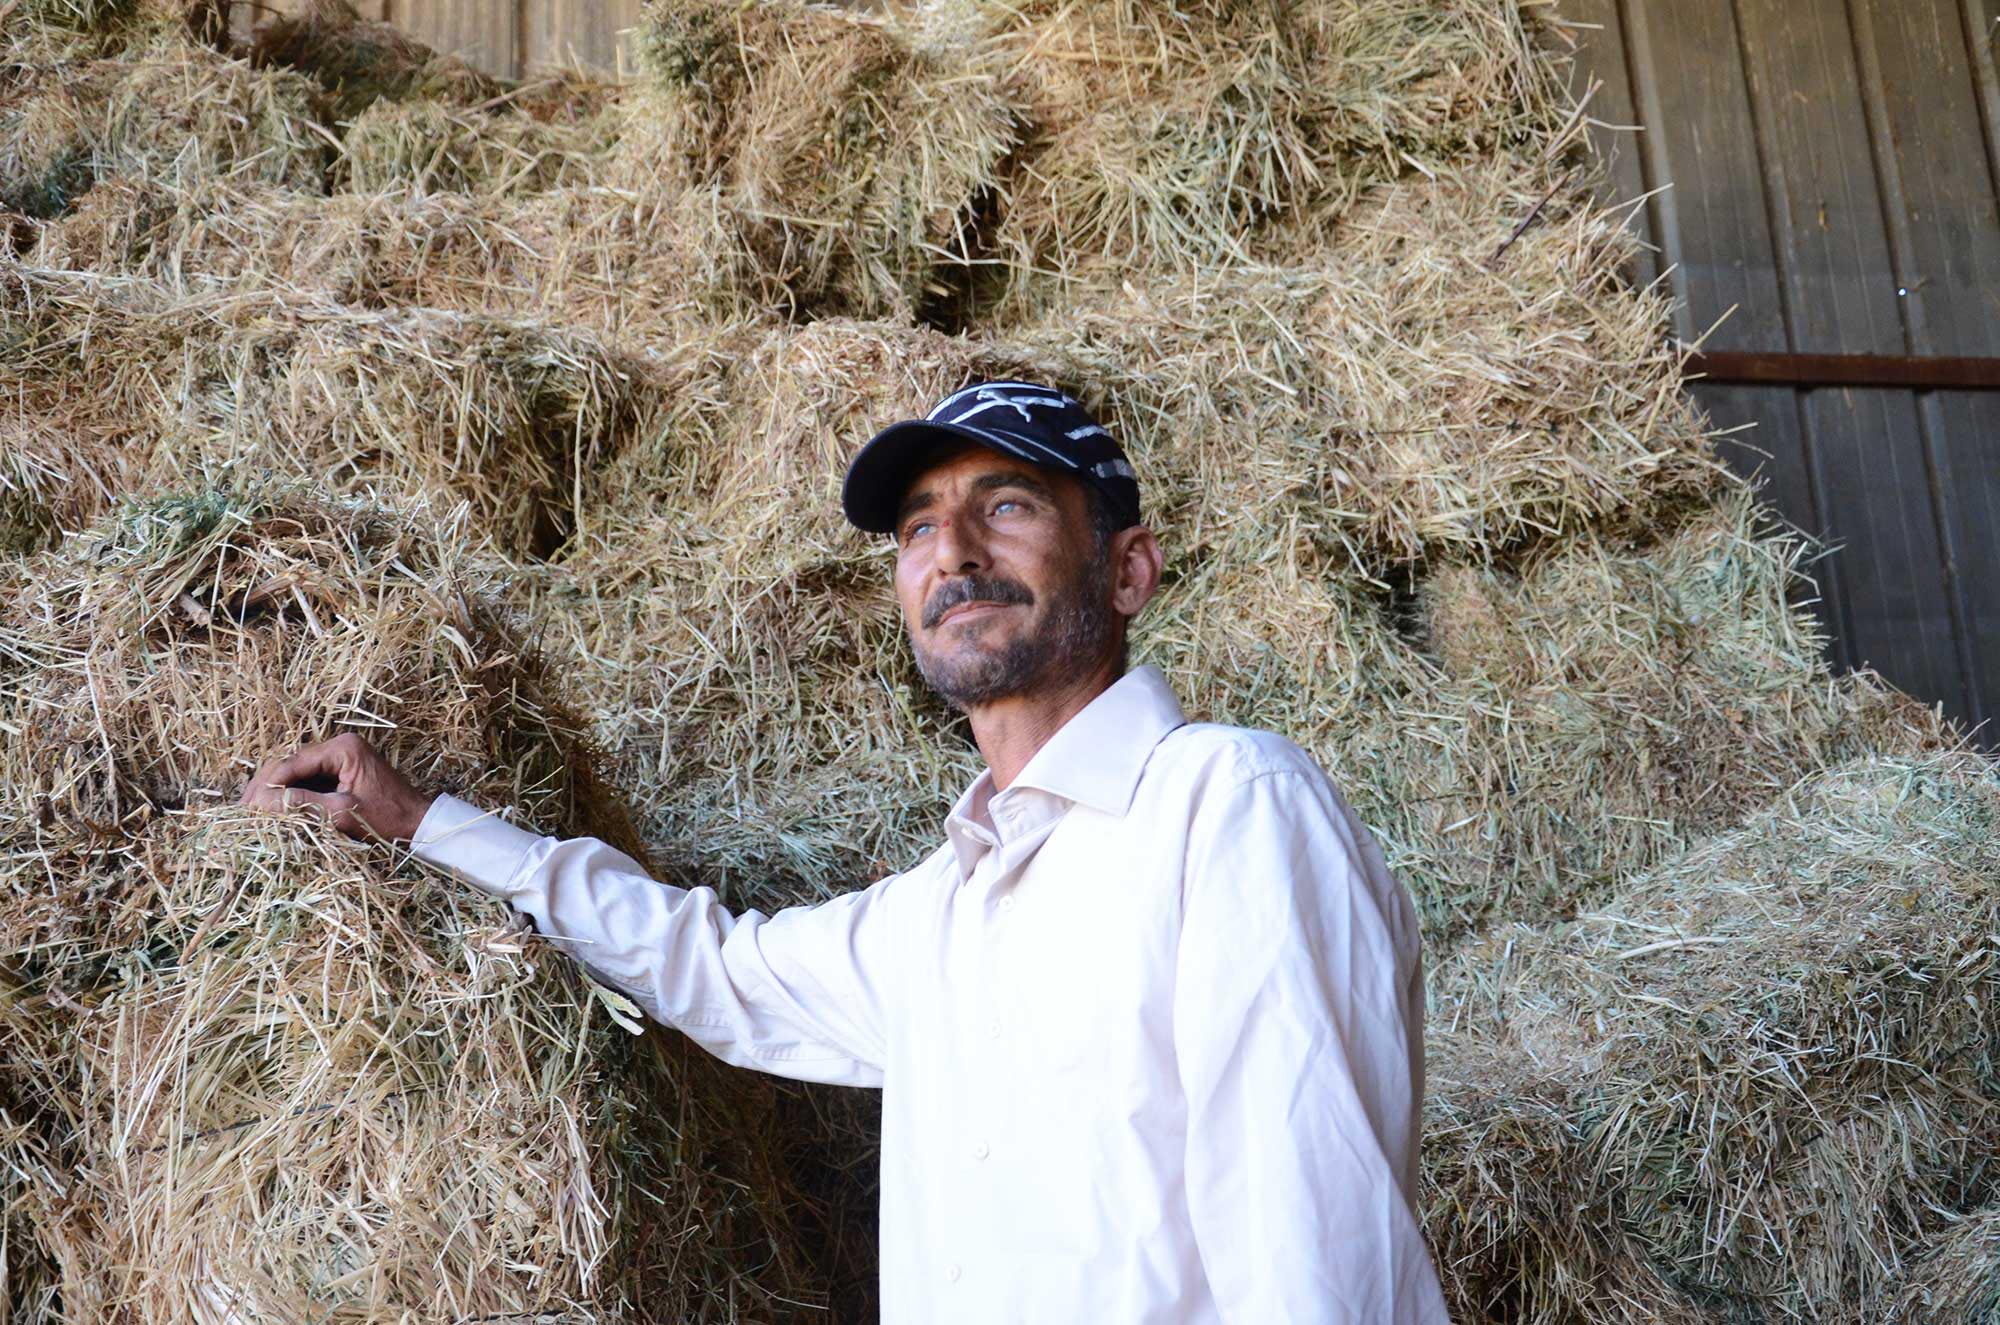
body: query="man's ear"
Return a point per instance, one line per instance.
(1135, 563)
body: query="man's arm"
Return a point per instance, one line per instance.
(1298, 1013)
(796, 994)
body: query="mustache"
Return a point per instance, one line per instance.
(973, 589)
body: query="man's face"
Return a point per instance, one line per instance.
(1000, 577)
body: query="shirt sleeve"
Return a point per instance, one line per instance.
(1298, 1027)
(798, 993)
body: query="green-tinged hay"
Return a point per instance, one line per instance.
(507, 416)
(1630, 698)
(1952, 1280)
(847, 165)
(1163, 136)
(610, 262)
(301, 1078)
(360, 61)
(74, 15)
(1400, 396)
(169, 111)
(429, 146)
(1750, 1083)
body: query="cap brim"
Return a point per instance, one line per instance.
(882, 470)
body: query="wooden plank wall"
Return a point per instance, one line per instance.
(1823, 173)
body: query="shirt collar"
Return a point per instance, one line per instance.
(1095, 759)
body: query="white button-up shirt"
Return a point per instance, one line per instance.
(1148, 1026)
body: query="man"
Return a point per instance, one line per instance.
(1147, 1024)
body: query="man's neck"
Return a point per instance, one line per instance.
(1010, 731)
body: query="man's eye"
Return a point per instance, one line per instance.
(1004, 503)
(914, 528)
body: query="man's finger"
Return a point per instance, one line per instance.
(322, 767)
(339, 808)
(269, 796)
(331, 805)
(255, 781)
(263, 794)
(303, 763)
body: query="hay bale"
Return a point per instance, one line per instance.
(168, 111)
(1400, 395)
(847, 163)
(1636, 696)
(608, 262)
(505, 416)
(1757, 1076)
(429, 146)
(304, 1079)
(1162, 137)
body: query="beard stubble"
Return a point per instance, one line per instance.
(1077, 632)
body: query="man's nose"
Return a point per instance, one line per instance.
(959, 547)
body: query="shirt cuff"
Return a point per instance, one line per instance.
(476, 845)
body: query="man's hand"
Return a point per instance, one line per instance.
(348, 782)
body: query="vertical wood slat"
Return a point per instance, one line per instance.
(1942, 205)
(1714, 227)
(245, 18)
(555, 33)
(1841, 289)
(483, 33)
(1980, 19)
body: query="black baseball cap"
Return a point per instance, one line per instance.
(1038, 424)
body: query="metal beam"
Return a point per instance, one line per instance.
(1919, 373)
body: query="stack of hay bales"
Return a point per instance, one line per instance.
(1706, 921)
(1744, 1086)
(286, 1077)
(502, 414)
(154, 106)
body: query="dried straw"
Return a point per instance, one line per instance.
(1758, 1075)
(168, 110)
(846, 163)
(1398, 394)
(504, 415)
(298, 1079)
(614, 263)
(1163, 137)
(433, 147)
(360, 61)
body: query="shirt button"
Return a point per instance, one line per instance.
(1007, 903)
(993, 1028)
(981, 1151)
(952, 1273)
